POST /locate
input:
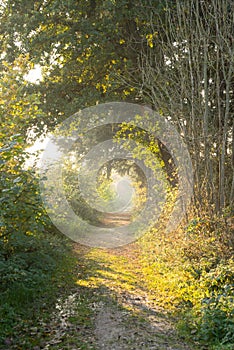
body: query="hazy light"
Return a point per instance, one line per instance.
(34, 75)
(35, 152)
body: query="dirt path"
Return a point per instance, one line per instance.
(110, 308)
(117, 329)
(133, 322)
(115, 220)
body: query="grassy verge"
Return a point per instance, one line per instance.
(38, 281)
(191, 273)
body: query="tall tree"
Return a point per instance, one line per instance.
(192, 84)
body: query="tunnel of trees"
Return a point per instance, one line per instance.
(177, 58)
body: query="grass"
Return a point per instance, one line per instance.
(26, 310)
(166, 269)
(190, 272)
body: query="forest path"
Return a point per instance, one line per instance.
(110, 308)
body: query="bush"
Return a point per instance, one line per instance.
(191, 271)
(216, 322)
(33, 256)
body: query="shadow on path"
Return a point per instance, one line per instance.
(123, 317)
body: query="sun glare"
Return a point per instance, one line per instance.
(34, 75)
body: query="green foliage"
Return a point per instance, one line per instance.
(22, 211)
(19, 108)
(31, 254)
(86, 49)
(33, 258)
(192, 272)
(97, 51)
(216, 319)
(105, 191)
(78, 44)
(31, 283)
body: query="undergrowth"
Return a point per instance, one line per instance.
(31, 283)
(35, 260)
(191, 272)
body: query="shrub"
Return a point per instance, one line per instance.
(33, 256)
(191, 271)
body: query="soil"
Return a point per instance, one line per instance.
(123, 315)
